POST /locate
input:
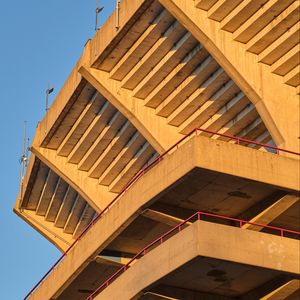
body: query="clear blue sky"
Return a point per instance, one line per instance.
(40, 42)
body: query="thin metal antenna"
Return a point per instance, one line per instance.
(98, 10)
(117, 14)
(48, 92)
(23, 160)
(27, 151)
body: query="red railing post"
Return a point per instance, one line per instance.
(199, 215)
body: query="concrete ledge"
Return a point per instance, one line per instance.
(207, 240)
(254, 165)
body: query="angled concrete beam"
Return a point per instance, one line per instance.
(99, 145)
(136, 50)
(91, 109)
(107, 260)
(65, 208)
(86, 217)
(259, 20)
(133, 166)
(188, 64)
(153, 56)
(164, 66)
(279, 47)
(272, 212)
(293, 77)
(205, 4)
(287, 62)
(112, 150)
(91, 133)
(185, 111)
(225, 114)
(162, 217)
(153, 128)
(252, 131)
(268, 287)
(241, 66)
(122, 159)
(183, 293)
(284, 291)
(288, 17)
(188, 86)
(107, 38)
(153, 296)
(238, 123)
(221, 9)
(240, 13)
(96, 195)
(51, 184)
(210, 107)
(75, 214)
(56, 200)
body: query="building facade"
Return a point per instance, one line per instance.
(168, 165)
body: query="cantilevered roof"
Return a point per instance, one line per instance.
(153, 83)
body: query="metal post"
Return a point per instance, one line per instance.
(48, 92)
(96, 21)
(117, 14)
(47, 99)
(23, 162)
(98, 10)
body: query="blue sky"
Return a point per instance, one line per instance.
(40, 43)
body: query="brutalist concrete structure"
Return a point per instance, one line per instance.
(168, 166)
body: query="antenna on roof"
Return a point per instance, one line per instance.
(98, 10)
(118, 14)
(24, 159)
(48, 92)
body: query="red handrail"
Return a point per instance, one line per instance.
(161, 239)
(239, 139)
(138, 175)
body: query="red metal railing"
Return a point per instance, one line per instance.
(162, 238)
(141, 173)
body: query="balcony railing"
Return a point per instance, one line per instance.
(197, 131)
(195, 217)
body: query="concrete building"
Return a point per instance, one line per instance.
(208, 216)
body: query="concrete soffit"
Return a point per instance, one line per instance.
(186, 14)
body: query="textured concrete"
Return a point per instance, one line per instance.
(206, 240)
(158, 179)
